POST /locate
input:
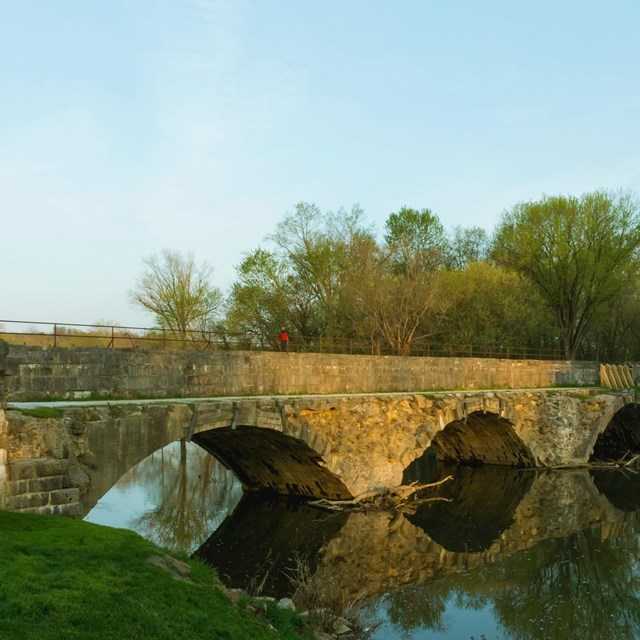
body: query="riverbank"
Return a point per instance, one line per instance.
(65, 579)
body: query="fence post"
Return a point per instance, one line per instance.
(55, 335)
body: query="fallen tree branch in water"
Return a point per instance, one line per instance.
(633, 461)
(387, 498)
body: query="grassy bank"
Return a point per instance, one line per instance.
(64, 579)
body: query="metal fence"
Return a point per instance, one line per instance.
(60, 334)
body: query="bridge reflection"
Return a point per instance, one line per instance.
(263, 539)
(493, 514)
(481, 505)
(514, 540)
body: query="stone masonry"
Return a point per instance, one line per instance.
(313, 446)
(33, 373)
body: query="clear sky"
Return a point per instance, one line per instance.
(132, 126)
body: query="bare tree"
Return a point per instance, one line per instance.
(178, 292)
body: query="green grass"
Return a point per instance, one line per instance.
(42, 412)
(62, 579)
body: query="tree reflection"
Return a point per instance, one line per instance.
(413, 607)
(192, 493)
(584, 586)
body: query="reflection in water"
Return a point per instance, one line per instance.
(619, 486)
(515, 555)
(482, 502)
(585, 586)
(174, 497)
(264, 539)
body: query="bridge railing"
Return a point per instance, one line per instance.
(59, 334)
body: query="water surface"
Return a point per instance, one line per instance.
(497, 552)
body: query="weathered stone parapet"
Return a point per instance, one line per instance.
(80, 373)
(4, 350)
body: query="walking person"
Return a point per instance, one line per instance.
(284, 340)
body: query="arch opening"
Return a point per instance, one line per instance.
(483, 438)
(268, 461)
(621, 438)
(176, 496)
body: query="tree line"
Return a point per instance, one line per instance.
(559, 274)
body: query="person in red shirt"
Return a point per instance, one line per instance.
(284, 340)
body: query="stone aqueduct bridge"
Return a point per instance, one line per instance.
(302, 424)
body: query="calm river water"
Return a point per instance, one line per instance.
(502, 554)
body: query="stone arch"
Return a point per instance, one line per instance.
(482, 438)
(269, 447)
(270, 461)
(618, 436)
(108, 441)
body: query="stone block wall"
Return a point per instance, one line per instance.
(32, 373)
(40, 486)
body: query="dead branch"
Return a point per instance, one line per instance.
(387, 498)
(633, 461)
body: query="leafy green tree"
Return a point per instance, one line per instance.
(319, 249)
(398, 287)
(580, 252)
(402, 309)
(615, 335)
(416, 241)
(267, 296)
(494, 308)
(177, 292)
(302, 283)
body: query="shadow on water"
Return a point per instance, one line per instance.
(258, 544)
(620, 487)
(480, 505)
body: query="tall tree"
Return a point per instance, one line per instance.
(615, 333)
(416, 240)
(580, 252)
(301, 281)
(320, 249)
(267, 296)
(177, 292)
(400, 290)
(401, 310)
(492, 308)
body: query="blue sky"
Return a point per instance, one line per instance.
(132, 126)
